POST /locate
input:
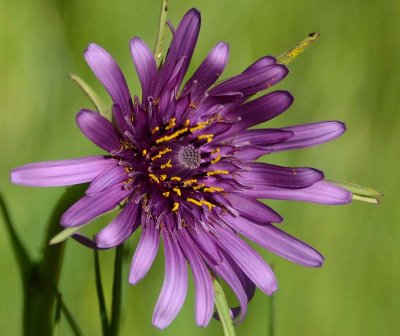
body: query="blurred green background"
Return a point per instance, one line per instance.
(350, 74)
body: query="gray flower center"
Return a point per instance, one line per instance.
(189, 157)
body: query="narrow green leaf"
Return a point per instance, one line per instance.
(223, 309)
(117, 291)
(162, 28)
(23, 259)
(293, 53)
(100, 106)
(64, 234)
(68, 316)
(100, 295)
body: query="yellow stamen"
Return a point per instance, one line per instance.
(176, 207)
(208, 204)
(161, 153)
(170, 124)
(187, 122)
(173, 135)
(178, 191)
(217, 150)
(199, 186)
(175, 178)
(200, 125)
(155, 129)
(166, 194)
(206, 136)
(216, 159)
(154, 177)
(144, 152)
(191, 200)
(163, 177)
(166, 165)
(189, 182)
(217, 172)
(213, 189)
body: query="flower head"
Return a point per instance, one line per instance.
(181, 162)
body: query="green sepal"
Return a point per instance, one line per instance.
(99, 105)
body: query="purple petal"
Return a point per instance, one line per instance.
(252, 80)
(202, 280)
(277, 241)
(248, 260)
(182, 45)
(120, 228)
(321, 192)
(261, 109)
(61, 173)
(145, 254)
(208, 72)
(90, 207)
(263, 174)
(110, 75)
(99, 130)
(261, 64)
(225, 271)
(253, 210)
(174, 288)
(207, 246)
(311, 134)
(107, 179)
(145, 65)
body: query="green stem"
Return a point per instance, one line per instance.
(100, 295)
(158, 50)
(223, 309)
(116, 292)
(40, 284)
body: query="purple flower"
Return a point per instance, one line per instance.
(181, 161)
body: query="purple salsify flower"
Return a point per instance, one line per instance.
(181, 161)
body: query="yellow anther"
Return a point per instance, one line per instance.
(189, 182)
(201, 203)
(175, 178)
(163, 177)
(217, 172)
(187, 122)
(217, 150)
(155, 129)
(154, 177)
(178, 191)
(175, 207)
(173, 135)
(206, 136)
(200, 125)
(144, 152)
(166, 194)
(213, 189)
(166, 165)
(161, 153)
(171, 123)
(216, 159)
(192, 200)
(208, 204)
(199, 186)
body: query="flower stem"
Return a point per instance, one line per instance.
(105, 327)
(223, 309)
(116, 292)
(158, 51)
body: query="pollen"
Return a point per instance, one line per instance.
(154, 177)
(207, 137)
(216, 159)
(173, 135)
(166, 194)
(175, 178)
(166, 165)
(213, 189)
(171, 124)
